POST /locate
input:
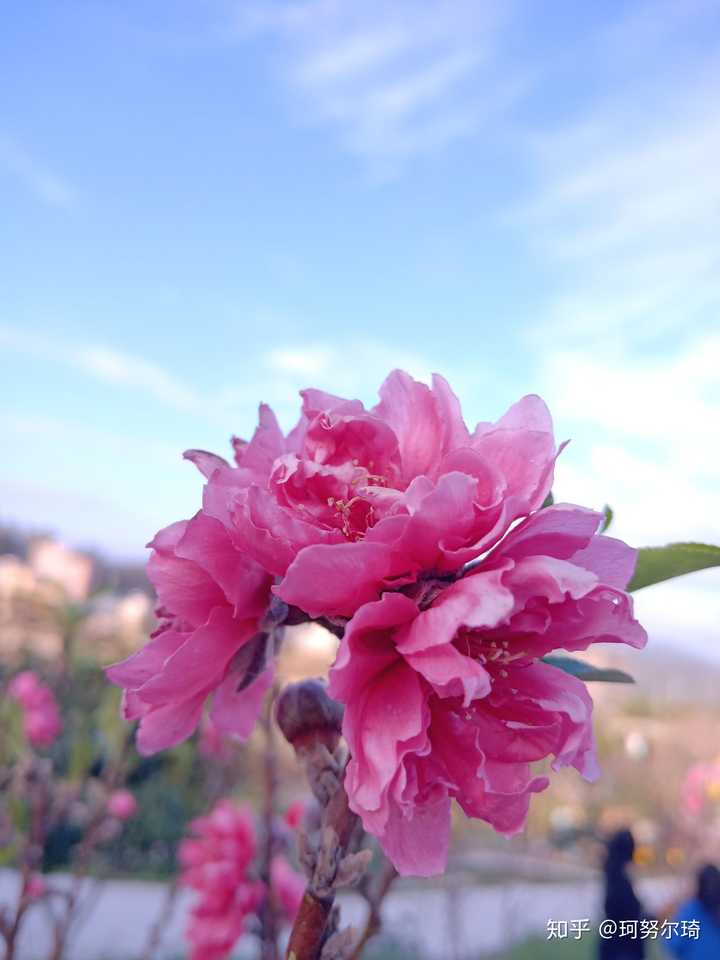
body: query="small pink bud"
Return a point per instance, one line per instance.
(121, 804)
(41, 716)
(35, 887)
(295, 813)
(24, 687)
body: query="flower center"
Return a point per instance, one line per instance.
(492, 654)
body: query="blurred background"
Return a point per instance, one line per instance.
(208, 203)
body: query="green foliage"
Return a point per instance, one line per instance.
(548, 501)
(608, 515)
(586, 671)
(656, 564)
(170, 788)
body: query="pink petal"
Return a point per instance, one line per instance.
(207, 543)
(236, 711)
(553, 580)
(368, 646)
(455, 433)
(316, 402)
(183, 587)
(146, 662)
(200, 662)
(559, 531)
(336, 579)
(165, 726)
(417, 843)
(450, 673)
(476, 601)
(207, 463)
(272, 534)
(612, 560)
(410, 409)
(522, 446)
(555, 691)
(266, 445)
(385, 724)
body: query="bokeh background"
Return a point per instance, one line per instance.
(207, 203)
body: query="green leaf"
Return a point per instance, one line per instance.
(587, 672)
(548, 501)
(608, 512)
(656, 564)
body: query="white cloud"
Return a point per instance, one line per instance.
(361, 364)
(393, 79)
(627, 207)
(44, 183)
(354, 368)
(125, 369)
(307, 361)
(646, 439)
(624, 221)
(107, 365)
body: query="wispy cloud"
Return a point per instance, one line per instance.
(648, 431)
(107, 365)
(355, 368)
(623, 219)
(625, 211)
(392, 79)
(646, 435)
(47, 185)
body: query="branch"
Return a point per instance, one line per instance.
(311, 722)
(374, 899)
(267, 914)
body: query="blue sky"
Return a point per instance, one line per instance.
(205, 204)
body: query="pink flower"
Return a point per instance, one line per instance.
(36, 887)
(212, 600)
(25, 688)
(41, 717)
(122, 804)
(216, 862)
(353, 502)
(288, 887)
(446, 695)
(700, 789)
(295, 813)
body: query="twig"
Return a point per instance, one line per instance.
(158, 928)
(31, 854)
(82, 858)
(374, 898)
(311, 722)
(268, 923)
(339, 824)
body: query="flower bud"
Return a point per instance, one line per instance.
(307, 715)
(121, 804)
(35, 887)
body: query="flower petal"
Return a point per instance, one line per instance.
(237, 712)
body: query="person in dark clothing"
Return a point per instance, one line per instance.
(703, 909)
(621, 903)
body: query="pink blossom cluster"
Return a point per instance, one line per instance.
(41, 717)
(700, 789)
(219, 862)
(36, 887)
(430, 547)
(288, 887)
(122, 805)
